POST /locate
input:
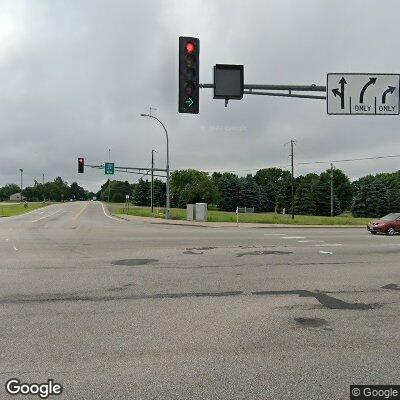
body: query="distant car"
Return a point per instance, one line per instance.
(389, 224)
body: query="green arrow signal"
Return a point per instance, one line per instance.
(189, 102)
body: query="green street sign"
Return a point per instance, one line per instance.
(109, 168)
(189, 101)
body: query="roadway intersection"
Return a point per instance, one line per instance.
(113, 309)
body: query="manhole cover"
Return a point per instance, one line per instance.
(130, 262)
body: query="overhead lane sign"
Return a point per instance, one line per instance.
(371, 94)
(109, 168)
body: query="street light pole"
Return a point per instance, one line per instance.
(21, 170)
(152, 180)
(168, 211)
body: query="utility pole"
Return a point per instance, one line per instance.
(21, 170)
(292, 159)
(152, 180)
(109, 183)
(331, 189)
(44, 199)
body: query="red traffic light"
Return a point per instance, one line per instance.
(81, 165)
(190, 47)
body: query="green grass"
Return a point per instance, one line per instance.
(263, 218)
(9, 210)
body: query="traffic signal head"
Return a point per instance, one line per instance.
(81, 165)
(189, 50)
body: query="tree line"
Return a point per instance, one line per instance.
(56, 190)
(269, 190)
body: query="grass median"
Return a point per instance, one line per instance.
(10, 210)
(262, 218)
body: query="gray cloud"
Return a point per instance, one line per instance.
(74, 77)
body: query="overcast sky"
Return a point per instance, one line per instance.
(75, 75)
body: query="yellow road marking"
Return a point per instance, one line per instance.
(76, 216)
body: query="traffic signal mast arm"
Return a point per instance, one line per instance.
(264, 90)
(131, 170)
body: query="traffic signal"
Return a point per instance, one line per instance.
(189, 50)
(81, 165)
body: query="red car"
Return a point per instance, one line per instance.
(389, 224)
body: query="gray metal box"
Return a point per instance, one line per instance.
(201, 212)
(190, 212)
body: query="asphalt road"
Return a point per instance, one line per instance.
(119, 310)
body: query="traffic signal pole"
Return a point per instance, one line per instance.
(292, 186)
(332, 190)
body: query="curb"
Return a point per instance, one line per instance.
(159, 221)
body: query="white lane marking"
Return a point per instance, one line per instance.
(274, 234)
(311, 241)
(325, 252)
(109, 216)
(329, 245)
(46, 216)
(41, 212)
(15, 248)
(6, 239)
(293, 237)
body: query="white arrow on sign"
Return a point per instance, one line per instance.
(370, 94)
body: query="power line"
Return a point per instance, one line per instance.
(306, 163)
(348, 160)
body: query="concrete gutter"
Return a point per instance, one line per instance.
(162, 221)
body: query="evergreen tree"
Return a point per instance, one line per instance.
(228, 188)
(118, 197)
(371, 199)
(271, 180)
(304, 203)
(267, 200)
(284, 195)
(249, 195)
(322, 197)
(141, 195)
(342, 188)
(159, 190)
(394, 197)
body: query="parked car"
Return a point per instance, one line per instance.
(389, 224)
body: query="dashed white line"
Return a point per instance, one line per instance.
(329, 245)
(311, 241)
(46, 216)
(274, 234)
(325, 252)
(293, 237)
